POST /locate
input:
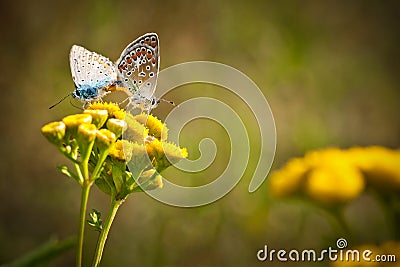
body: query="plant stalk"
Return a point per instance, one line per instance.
(82, 220)
(115, 204)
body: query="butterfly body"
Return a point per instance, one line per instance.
(91, 92)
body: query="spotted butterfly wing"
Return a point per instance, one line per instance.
(92, 73)
(138, 68)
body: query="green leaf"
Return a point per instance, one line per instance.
(64, 169)
(95, 220)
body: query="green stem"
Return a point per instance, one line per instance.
(82, 221)
(96, 171)
(115, 204)
(44, 253)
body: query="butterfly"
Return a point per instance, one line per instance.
(94, 75)
(138, 68)
(135, 73)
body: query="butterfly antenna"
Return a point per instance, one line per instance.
(168, 101)
(59, 101)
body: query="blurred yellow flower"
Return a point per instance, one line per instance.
(288, 179)
(334, 182)
(333, 175)
(381, 166)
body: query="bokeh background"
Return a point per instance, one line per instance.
(329, 69)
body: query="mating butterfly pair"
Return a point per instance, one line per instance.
(135, 71)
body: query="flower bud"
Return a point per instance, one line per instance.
(99, 116)
(54, 132)
(104, 139)
(86, 135)
(73, 121)
(87, 132)
(117, 126)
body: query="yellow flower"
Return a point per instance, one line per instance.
(114, 111)
(334, 182)
(325, 175)
(140, 159)
(121, 150)
(54, 132)
(136, 131)
(73, 121)
(116, 126)
(165, 154)
(156, 128)
(288, 180)
(104, 139)
(86, 132)
(381, 166)
(332, 175)
(99, 116)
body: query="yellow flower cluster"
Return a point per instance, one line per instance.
(123, 165)
(334, 176)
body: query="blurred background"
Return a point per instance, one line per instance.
(329, 69)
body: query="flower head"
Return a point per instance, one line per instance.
(155, 126)
(54, 132)
(117, 126)
(165, 154)
(105, 139)
(93, 140)
(99, 116)
(335, 176)
(114, 111)
(73, 121)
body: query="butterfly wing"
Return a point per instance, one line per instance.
(138, 66)
(92, 73)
